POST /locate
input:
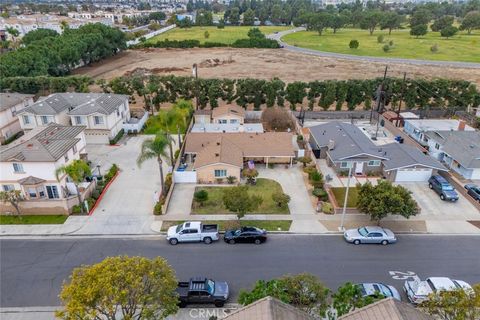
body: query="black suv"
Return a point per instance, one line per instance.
(201, 291)
(441, 186)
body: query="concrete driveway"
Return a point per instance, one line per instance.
(127, 206)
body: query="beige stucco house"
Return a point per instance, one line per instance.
(10, 105)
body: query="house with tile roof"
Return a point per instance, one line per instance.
(102, 114)
(344, 145)
(28, 164)
(215, 156)
(10, 105)
(224, 119)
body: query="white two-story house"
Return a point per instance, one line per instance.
(102, 114)
(29, 164)
(10, 105)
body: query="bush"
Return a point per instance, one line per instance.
(327, 208)
(256, 43)
(182, 44)
(320, 194)
(157, 209)
(390, 43)
(168, 182)
(386, 48)
(91, 203)
(315, 176)
(281, 199)
(208, 44)
(380, 38)
(277, 119)
(434, 48)
(231, 179)
(200, 196)
(96, 194)
(271, 165)
(117, 137)
(76, 209)
(309, 170)
(111, 173)
(206, 34)
(354, 44)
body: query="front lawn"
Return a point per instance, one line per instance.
(264, 188)
(45, 219)
(339, 194)
(269, 225)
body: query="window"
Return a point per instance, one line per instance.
(373, 163)
(18, 167)
(233, 121)
(437, 146)
(98, 120)
(344, 164)
(78, 120)
(220, 173)
(74, 149)
(32, 192)
(45, 119)
(52, 192)
(118, 113)
(41, 192)
(14, 111)
(26, 119)
(66, 158)
(8, 187)
(222, 121)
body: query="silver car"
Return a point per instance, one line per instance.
(376, 290)
(370, 235)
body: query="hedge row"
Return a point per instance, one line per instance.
(185, 44)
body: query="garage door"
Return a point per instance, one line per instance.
(413, 175)
(96, 138)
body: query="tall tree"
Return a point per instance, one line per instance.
(12, 197)
(442, 23)
(155, 149)
(370, 20)
(337, 21)
(420, 17)
(385, 198)
(234, 17)
(449, 31)
(350, 297)
(38, 34)
(238, 200)
(419, 30)
(138, 288)
(249, 17)
(76, 171)
(471, 21)
(390, 21)
(320, 21)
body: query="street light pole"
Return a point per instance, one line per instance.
(195, 75)
(346, 198)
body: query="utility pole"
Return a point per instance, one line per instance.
(401, 99)
(379, 93)
(195, 75)
(344, 210)
(381, 97)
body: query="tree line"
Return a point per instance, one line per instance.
(56, 55)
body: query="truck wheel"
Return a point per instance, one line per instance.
(219, 304)
(207, 240)
(173, 241)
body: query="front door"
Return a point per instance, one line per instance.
(359, 168)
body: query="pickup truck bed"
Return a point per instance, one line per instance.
(209, 227)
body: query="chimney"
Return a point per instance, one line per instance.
(461, 125)
(331, 144)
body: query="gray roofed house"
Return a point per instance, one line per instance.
(344, 145)
(8, 100)
(10, 105)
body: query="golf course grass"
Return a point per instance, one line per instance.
(227, 35)
(462, 47)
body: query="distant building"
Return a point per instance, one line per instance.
(416, 128)
(10, 105)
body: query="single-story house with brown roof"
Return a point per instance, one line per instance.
(216, 156)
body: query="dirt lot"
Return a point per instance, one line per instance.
(260, 63)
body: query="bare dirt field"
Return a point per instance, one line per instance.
(261, 64)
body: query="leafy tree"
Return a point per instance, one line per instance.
(250, 174)
(304, 160)
(238, 200)
(157, 16)
(353, 44)
(13, 197)
(303, 291)
(154, 26)
(255, 33)
(442, 23)
(448, 32)
(471, 21)
(221, 24)
(204, 18)
(295, 93)
(420, 17)
(454, 305)
(281, 199)
(136, 287)
(385, 198)
(249, 17)
(419, 30)
(38, 34)
(350, 297)
(76, 171)
(320, 21)
(337, 21)
(155, 149)
(201, 196)
(185, 23)
(370, 20)
(390, 21)
(277, 119)
(380, 38)
(234, 16)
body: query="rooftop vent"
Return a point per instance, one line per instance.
(218, 143)
(331, 144)
(217, 154)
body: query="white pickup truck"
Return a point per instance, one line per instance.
(193, 231)
(418, 291)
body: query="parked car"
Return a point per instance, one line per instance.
(246, 235)
(370, 235)
(193, 231)
(417, 291)
(379, 289)
(202, 291)
(444, 189)
(473, 190)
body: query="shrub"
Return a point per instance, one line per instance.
(390, 43)
(380, 38)
(281, 199)
(157, 209)
(209, 44)
(386, 48)
(271, 165)
(111, 173)
(434, 48)
(354, 44)
(168, 182)
(305, 161)
(256, 43)
(327, 208)
(231, 179)
(96, 194)
(91, 203)
(200, 196)
(277, 119)
(315, 176)
(309, 170)
(76, 209)
(182, 44)
(206, 34)
(117, 137)
(320, 194)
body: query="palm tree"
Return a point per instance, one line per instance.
(154, 149)
(76, 171)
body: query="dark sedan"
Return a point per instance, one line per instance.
(473, 191)
(246, 235)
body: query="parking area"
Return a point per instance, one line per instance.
(432, 206)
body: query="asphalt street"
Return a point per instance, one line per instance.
(32, 271)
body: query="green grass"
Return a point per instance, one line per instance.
(461, 47)
(45, 219)
(339, 194)
(269, 225)
(227, 35)
(264, 188)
